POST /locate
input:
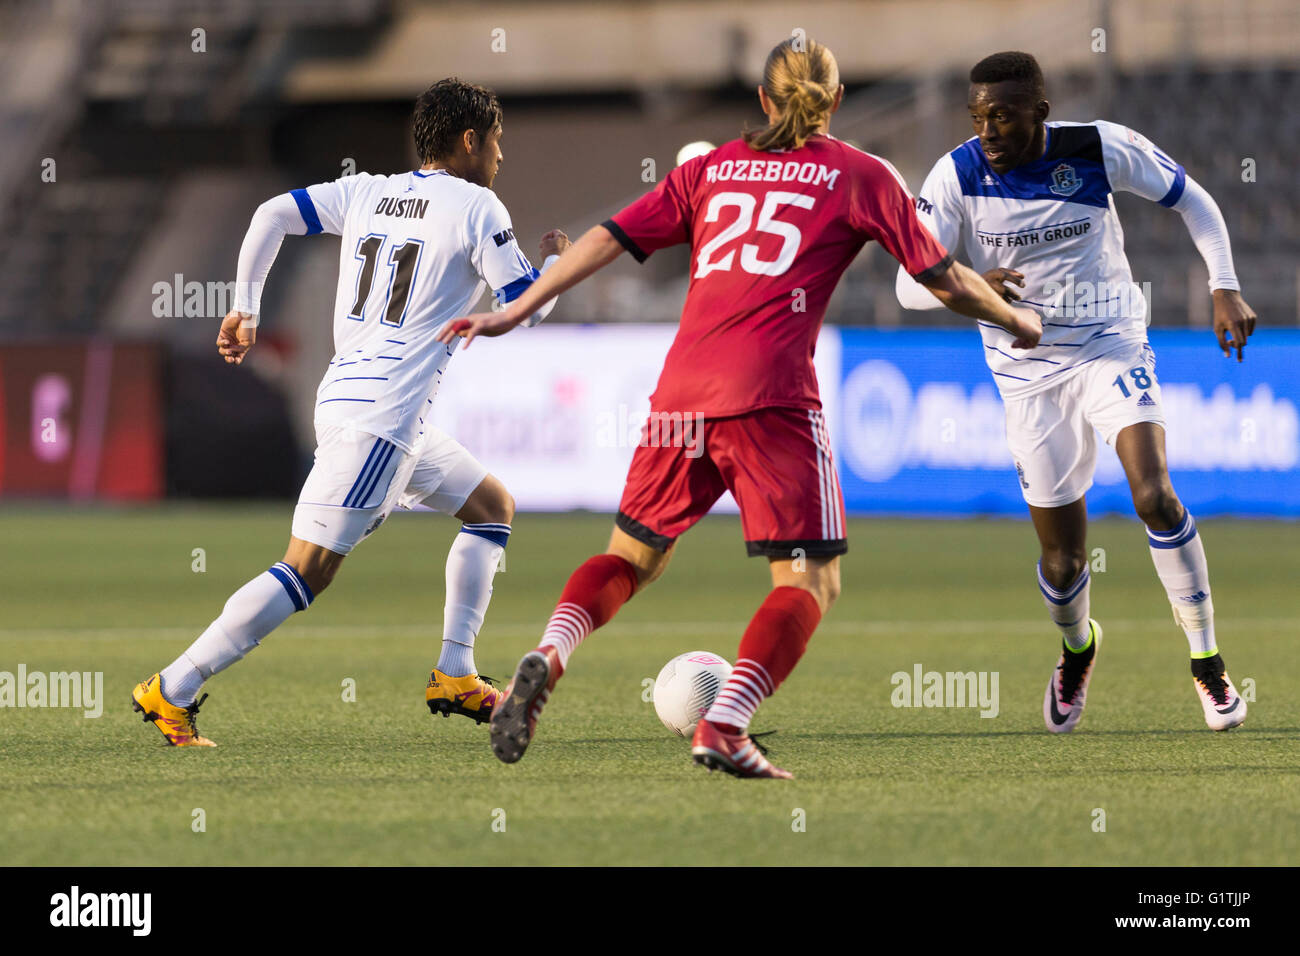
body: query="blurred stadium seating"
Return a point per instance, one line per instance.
(159, 150)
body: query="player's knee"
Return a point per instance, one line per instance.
(318, 578)
(828, 586)
(648, 561)
(498, 504)
(490, 501)
(493, 502)
(822, 581)
(1157, 505)
(315, 565)
(505, 507)
(830, 593)
(649, 568)
(824, 592)
(649, 564)
(1062, 568)
(318, 570)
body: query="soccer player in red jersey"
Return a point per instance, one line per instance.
(773, 220)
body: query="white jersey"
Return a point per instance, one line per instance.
(1053, 220)
(417, 249)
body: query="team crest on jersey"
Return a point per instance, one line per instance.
(1065, 181)
(1138, 140)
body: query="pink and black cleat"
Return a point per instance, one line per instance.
(1067, 690)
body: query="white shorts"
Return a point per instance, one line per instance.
(358, 478)
(1051, 433)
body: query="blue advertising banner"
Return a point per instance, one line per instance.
(919, 426)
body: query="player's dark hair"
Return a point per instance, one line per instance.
(1014, 66)
(801, 79)
(445, 110)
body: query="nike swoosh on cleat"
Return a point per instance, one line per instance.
(1058, 718)
(1228, 710)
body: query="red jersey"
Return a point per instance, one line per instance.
(771, 233)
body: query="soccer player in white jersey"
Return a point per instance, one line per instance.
(1031, 201)
(417, 248)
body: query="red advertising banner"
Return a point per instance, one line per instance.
(81, 420)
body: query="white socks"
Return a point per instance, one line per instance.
(471, 564)
(266, 602)
(1069, 608)
(1179, 558)
(252, 612)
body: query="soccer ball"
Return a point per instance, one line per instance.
(685, 689)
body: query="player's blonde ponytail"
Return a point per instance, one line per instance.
(801, 84)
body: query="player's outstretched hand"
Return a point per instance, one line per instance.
(554, 243)
(1029, 328)
(237, 335)
(998, 279)
(1234, 321)
(471, 326)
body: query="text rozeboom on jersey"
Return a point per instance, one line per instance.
(402, 208)
(770, 171)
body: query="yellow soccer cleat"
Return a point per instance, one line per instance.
(175, 723)
(470, 695)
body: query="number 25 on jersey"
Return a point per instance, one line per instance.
(749, 260)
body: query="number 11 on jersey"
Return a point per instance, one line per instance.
(403, 261)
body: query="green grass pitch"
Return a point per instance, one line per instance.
(303, 777)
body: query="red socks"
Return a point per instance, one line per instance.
(779, 632)
(595, 592)
(773, 643)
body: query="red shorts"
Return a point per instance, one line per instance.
(776, 462)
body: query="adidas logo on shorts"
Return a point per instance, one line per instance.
(1145, 400)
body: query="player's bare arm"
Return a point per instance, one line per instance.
(963, 290)
(1234, 321)
(595, 249)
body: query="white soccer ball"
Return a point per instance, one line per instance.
(685, 689)
(698, 148)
